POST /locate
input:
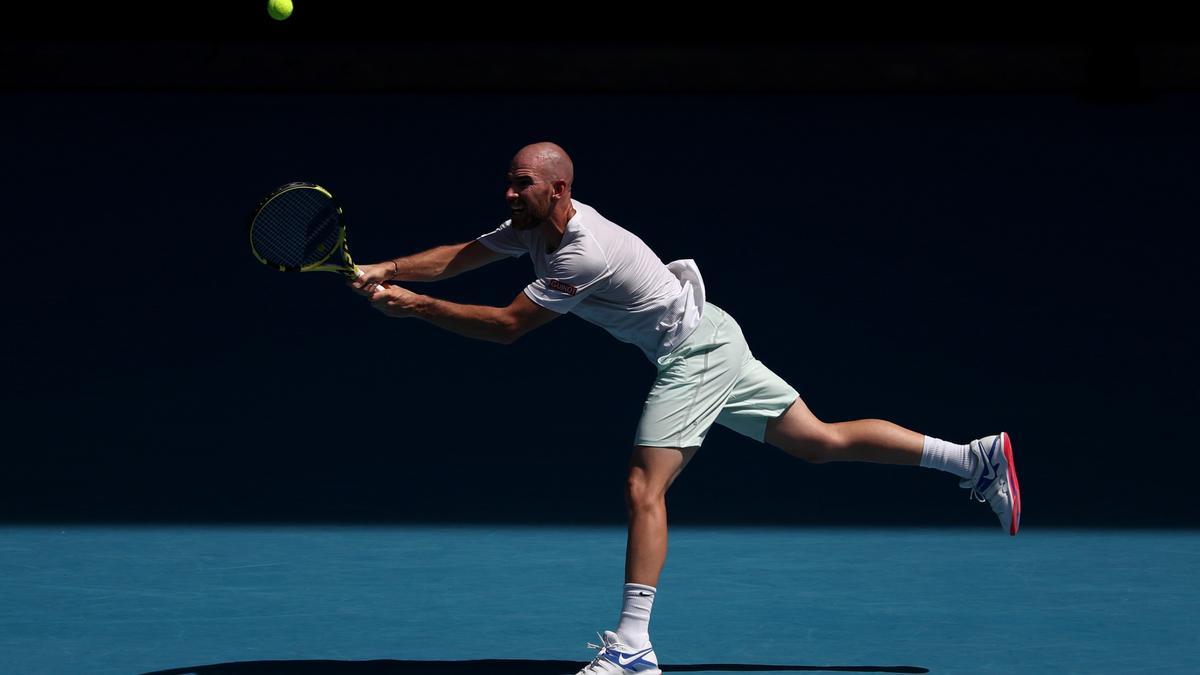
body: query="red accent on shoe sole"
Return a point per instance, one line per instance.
(1016, 486)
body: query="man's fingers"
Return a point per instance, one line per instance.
(377, 292)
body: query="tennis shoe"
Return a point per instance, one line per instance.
(995, 480)
(615, 658)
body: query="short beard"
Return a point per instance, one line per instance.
(526, 221)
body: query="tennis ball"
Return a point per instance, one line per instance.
(279, 9)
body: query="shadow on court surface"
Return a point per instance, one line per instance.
(488, 667)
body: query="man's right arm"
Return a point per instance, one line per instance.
(440, 262)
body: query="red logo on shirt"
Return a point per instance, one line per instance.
(560, 286)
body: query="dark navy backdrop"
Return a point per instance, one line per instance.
(959, 265)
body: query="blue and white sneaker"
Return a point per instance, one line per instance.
(995, 480)
(615, 658)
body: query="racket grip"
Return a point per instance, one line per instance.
(359, 274)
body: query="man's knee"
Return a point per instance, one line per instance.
(819, 444)
(640, 495)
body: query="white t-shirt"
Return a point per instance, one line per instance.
(608, 276)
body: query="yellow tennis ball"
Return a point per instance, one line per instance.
(279, 9)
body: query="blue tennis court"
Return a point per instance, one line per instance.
(494, 600)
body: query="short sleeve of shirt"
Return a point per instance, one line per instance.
(505, 239)
(573, 275)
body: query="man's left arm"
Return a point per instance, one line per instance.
(495, 324)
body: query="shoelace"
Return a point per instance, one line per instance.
(1002, 488)
(974, 479)
(594, 666)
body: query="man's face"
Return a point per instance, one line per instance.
(528, 196)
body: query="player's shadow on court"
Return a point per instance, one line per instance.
(490, 667)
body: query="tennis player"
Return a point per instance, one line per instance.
(589, 266)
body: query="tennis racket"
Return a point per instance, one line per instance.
(300, 228)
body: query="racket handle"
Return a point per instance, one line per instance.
(360, 274)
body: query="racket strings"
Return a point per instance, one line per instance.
(296, 228)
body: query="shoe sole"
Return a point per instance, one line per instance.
(1015, 486)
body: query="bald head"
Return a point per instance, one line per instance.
(549, 161)
(539, 188)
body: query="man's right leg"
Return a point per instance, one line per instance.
(628, 649)
(651, 473)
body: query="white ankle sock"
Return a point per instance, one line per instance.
(634, 628)
(956, 459)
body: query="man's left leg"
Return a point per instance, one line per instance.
(985, 465)
(799, 433)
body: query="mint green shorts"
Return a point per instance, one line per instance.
(711, 377)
